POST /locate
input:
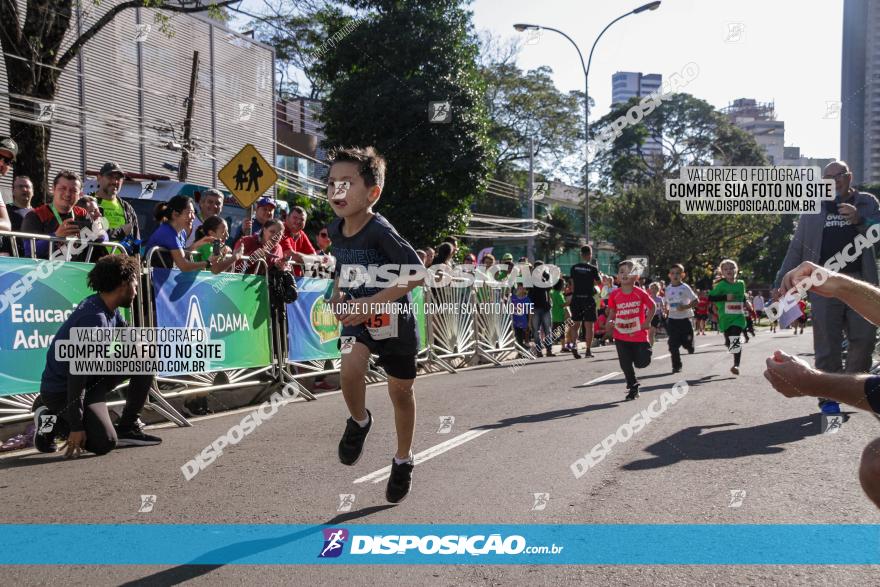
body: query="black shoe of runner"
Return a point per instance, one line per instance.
(565, 349)
(633, 393)
(690, 349)
(588, 354)
(400, 481)
(44, 429)
(575, 354)
(676, 369)
(550, 353)
(351, 446)
(134, 435)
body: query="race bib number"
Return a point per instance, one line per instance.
(733, 308)
(628, 326)
(381, 326)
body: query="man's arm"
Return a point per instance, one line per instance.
(872, 216)
(861, 296)
(794, 256)
(793, 377)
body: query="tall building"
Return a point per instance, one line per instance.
(860, 89)
(759, 120)
(626, 85)
(124, 97)
(631, 84)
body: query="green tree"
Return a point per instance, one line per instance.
(380, 79)
(299, 31)
(636, 216)
(36, 50)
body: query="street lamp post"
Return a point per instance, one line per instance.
(586, 67)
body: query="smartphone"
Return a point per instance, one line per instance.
(82, 222)
(217, 247)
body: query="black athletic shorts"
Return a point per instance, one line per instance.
(396, 365)
(701, 316)
(583, 309)
(655, 321)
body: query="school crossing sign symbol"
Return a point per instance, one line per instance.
(248, 175)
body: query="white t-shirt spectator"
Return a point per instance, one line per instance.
(758, 303)
(677, 295)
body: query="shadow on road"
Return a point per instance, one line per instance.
(545, 416)
(239, 550)
(691, 382)
(692, 444)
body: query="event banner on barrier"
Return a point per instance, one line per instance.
(36, 297)
(313, 330)
(418, 298)
(233, 308)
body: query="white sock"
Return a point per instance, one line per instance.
(363, 423)
(408, 459)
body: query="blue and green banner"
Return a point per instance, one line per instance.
(233, 308)
(36, 297)
(312, 329)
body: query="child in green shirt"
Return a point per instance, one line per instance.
(729, 296)
(558, 310)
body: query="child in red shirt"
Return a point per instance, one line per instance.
(628, 310)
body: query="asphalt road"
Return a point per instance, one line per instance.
(515, 433)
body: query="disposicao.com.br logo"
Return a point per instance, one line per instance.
(453, 544)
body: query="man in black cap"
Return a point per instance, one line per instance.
(8, 153)
(121, 217)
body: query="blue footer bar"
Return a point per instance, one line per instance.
(624, 544)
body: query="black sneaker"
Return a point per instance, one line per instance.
(44, 429)
(575, 354)
(588, 354)
(400, 481)
(676, 369)
(690, 349)
(633, 393)
(352, 444)
(134, 435)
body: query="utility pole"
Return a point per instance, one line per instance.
(531, 247)
(187, 124)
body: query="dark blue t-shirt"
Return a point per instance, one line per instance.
(377, 244)
(167, 238)
(92, 312)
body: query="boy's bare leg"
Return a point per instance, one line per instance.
(404, 400)
(353, 379)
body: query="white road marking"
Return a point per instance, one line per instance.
(598, 379)
(426, 455)
(661, 357)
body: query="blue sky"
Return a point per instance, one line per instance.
(786, 51)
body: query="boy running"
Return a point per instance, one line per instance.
(522, 311)
(701, 313)
(362, 239)
(730, 297)
(628, 311)
(680, 301)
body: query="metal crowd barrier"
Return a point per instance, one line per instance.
(18, 407)
(455, 338)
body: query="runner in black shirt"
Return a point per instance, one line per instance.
(584, 278)
(363, 240)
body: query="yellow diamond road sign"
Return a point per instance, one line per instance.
(248, 175)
